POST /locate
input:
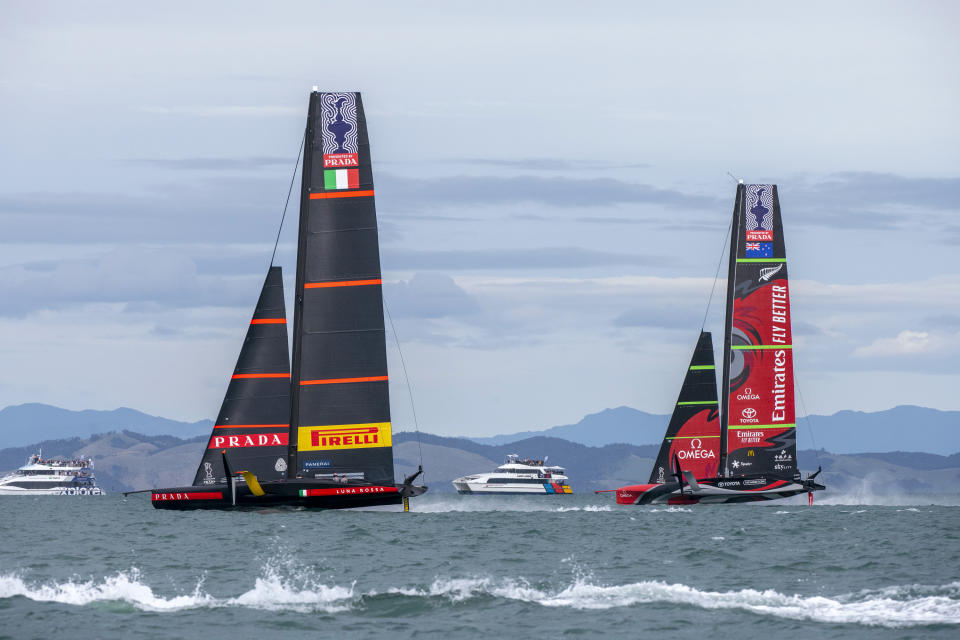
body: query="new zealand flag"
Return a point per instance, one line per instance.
(759, 249)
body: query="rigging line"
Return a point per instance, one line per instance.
(716, 276)
(289, 191)
(403, 364)
(806, 417)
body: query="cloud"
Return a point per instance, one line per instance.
(213, 164)
(563, 192)
(535, 258)
(225, 111)
(905, 343)
(429, 295)
(548, 164)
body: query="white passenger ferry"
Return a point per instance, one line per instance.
(55, 477)
(529, 477)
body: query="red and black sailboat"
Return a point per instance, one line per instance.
(746, 451)
(317, 434)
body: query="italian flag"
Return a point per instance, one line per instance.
(341, 179)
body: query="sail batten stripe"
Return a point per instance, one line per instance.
(337, 194)
(747, 427)
(742, 260)
(269, 321)
(345, 380)
(688, 437)
(702, 367)
(342, 283)
(749, 347)
(691, 402)
(243, 376)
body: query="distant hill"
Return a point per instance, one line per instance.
(24, 424)
(901, 428)
(127, 460)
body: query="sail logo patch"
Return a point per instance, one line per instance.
(338, 128)
(768, 272)
(759, 249)
(760, 211)
(344, 436)
(341, 179)
(249, 440)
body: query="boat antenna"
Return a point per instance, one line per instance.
(716, 276)
(403, 364)
(289, 191)
(735, 178)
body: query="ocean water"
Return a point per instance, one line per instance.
(481, 567)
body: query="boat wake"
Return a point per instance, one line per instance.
(898, 606)
(523, 504)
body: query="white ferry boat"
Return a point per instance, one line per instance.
(531, 477)
(55, 477)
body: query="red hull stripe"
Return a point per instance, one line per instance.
(269, 321)
(243, 376)
(344, 380)
(197, 495)
(345, 194)
(346, 491)
(251, 426)
(341, 283)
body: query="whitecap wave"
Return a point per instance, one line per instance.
(270, 592)
(891, 607)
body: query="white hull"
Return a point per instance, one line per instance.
(52, 491)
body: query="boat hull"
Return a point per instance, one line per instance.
(52, 491)
(715, 491)
(291, 493)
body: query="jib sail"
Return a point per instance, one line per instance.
(340, 422)
(693, 435)
(758, 346)
(254, 421)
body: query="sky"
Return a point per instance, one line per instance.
(554, 184)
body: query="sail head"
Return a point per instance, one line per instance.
(761, 429)
(340, 426)
(693, 434)
(254, 420)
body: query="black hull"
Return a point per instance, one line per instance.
(716, 491)
(290, 493)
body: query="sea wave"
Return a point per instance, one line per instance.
(891, 607)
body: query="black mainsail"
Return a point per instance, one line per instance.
(316, 434)
(340, 425)
(254, 420)
(693, 434)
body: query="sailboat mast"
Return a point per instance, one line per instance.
(295, 375)
(728, 330)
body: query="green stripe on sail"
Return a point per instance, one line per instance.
(761, 346)
(765, 426)
(688, 437)
(683, 404)
(761, 259)
(702, 367)
(329, 179)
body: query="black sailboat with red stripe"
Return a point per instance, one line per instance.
(745, 449)
(317, 434)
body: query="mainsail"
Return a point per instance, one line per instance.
(254, 420)
(758, 407)
(693, 435)
(340, 418)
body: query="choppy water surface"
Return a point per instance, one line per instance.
(472, 567)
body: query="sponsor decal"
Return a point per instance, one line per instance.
(760, 208)
(749, 416)
(317, 464)
(344, 436)
(750, 437)
(249, 440)
(192, 495)
(759, 249)
(80, 491)
(341, 179)
(344, 491)
(783, 456)
(660, 478)
(696, 451)
(754, 481)
(748, 394)
(208, 474)
(280, 466)
(768, 272)
(750, 453)
(730, 483)
(338, 128)
(761, 236)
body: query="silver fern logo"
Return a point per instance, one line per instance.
(768, 272)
